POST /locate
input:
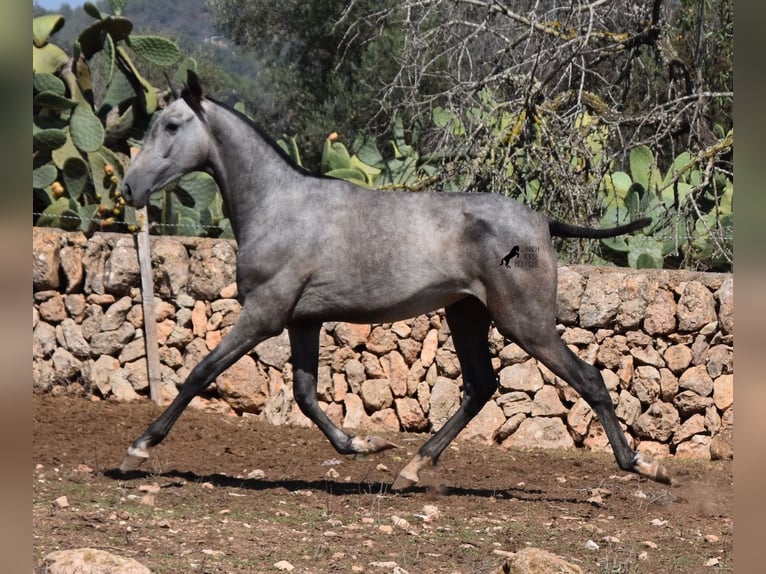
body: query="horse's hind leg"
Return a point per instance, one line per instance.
(469, 324)
(304, 342)
(242, 337)
(539, 339)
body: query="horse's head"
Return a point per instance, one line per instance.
(177, 143)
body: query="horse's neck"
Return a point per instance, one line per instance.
(248, 169)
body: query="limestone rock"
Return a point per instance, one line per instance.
(275, 351)
(547, 403)
(170, 267)
(211, 268)
(396, 370)
(381, 341)
(696, 308)
(244, 386)
(697, 379)
(91, 561)
(570, 289)
(410, 415)
(521, 377)
(121, 271)
(723, 392)
(659, 422)
(725, 296)
(351, 335)
(430, 344)
(376, 394)
(45, 260)
(444, 401)
(541, 432)
(660, 318)
(689, 403)
(677, 358)
(538, 561)
(483, 426)
(600, 300)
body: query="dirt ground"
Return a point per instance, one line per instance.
(226, 494)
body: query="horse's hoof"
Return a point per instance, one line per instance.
(377, 444)
(134, 459)
(652, 469)
(403, 482)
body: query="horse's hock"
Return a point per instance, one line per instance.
(663, 341)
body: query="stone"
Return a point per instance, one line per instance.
(212, 266)
(601, 300)
(71, 267)
(570, 289)
(354, 375)
(275, 351)
(660, 318)
(578, 336)
(339, 387)
(91, 561)
(530, 560)
(410, 349)
(547, 403)
(372, 368)
(65, 365)
(376, 394)
(75, 305)
(448, 363)
(579, 418)
(697, 447)
(411, 416)
(514, 402)
(725, 297)
(646, 384)
(244, 386)
(122, 389)
(355, 415)
(484, 425)
(111, 342)
(668, 385)
(541, 432)
(430, 345)
(381, 341)
(647, 356)
(46, 260)
(695, 424)
(689, 403)
(170, 267)
(351, 334)
(696, 307)
(696, 379)
(610, 353)
(677, 358)
(628, 409)
(509, 427)
(199, 319)
(444, 401)
(720, 360)
(137, 375)
(116, 314)
(512, 354)
(43, 340)
(723, 392)
(395, 368)
(73, 340)
(521, 377)
(722, 446)
(102, 372)
(632, 301)
(384, 420)
(121, 271)
(324, 385)
(423, 394)
(658, 423)
(53, 310)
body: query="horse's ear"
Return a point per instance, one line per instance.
(192, 93)
(171, 86)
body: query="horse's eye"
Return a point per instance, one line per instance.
(171, 128)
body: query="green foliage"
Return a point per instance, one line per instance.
(82, 130)
(691, 207)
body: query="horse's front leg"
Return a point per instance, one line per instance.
(244, 335)
(469, 323)
(304, 341)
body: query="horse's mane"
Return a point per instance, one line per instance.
(268, 139)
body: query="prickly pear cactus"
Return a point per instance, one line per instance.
(81, 145)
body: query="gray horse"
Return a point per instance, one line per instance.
(314, 249)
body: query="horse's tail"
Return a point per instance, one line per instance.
(561, 229)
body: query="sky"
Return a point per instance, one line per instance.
(56, 4)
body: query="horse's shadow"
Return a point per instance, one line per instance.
(337, 488)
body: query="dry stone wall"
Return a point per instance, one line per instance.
(663, 341)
